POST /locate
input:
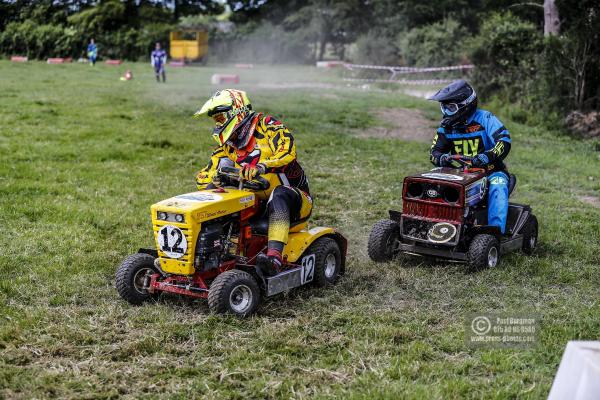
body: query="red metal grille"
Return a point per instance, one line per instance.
(434, 212)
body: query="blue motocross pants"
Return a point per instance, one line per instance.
(498, 200)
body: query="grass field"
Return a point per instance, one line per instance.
(84, 155)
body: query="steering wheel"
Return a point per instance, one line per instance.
(464, 161)
(257, 184)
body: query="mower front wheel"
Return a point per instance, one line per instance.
(484, 252)
(383, 240)
(131, 277)
(234, 292)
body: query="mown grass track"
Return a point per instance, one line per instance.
(83, 155)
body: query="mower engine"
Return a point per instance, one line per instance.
(436, 204)
(216, 241)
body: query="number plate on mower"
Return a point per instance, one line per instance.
(172, 241)
(308, 268)
(293, 278)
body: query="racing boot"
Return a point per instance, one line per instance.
(270, 264)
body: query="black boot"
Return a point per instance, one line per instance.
(269, 265)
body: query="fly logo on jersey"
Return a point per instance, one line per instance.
(467, 147)
(498, 148)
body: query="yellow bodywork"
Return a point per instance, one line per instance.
(188, 44)
(196, 208)
(299, 241)
(205, 205)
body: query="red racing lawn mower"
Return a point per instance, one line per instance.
(444, 216)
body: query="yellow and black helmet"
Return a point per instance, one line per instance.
(230, 109)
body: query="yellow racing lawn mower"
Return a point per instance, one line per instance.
(207, 243)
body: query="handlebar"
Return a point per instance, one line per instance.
(257, 184)
(464, 161)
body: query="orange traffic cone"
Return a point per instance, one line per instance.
(128, 76)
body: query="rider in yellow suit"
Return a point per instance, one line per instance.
(258, 144)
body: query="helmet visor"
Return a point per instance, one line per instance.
(449, 108)
(219, 118)
(223, 127)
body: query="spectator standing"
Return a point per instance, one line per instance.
(158, 59)
(92, 52)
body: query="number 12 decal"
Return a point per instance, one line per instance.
(308, 268)
(172, 241)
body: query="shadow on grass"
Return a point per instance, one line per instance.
(545, 250)
(285, 305)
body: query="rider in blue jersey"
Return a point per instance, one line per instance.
(469, 131)
(158, 59)
(92, 52)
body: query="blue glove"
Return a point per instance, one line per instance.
(445, 160)
(480, 160)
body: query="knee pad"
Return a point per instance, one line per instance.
(498, 179)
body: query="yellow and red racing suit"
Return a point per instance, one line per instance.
(273, 146)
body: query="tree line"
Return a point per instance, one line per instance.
(544, 58)
(61, 28)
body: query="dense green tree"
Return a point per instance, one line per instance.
(108, 15)
(438, 44)
(577, 53)
(504, 54)
(123, 28)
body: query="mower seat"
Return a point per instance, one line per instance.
(512, 182)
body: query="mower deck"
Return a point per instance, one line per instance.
(506, 246)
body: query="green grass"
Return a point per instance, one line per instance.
(84, 155)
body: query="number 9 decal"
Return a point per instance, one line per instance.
(308, 268)
(172, 241)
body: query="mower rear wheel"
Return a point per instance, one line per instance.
(328, 261)
(382, 240)
(234, 292)
(530, 235)
(484, 252)
(131, 277)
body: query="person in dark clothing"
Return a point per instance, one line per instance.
(470, 131)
